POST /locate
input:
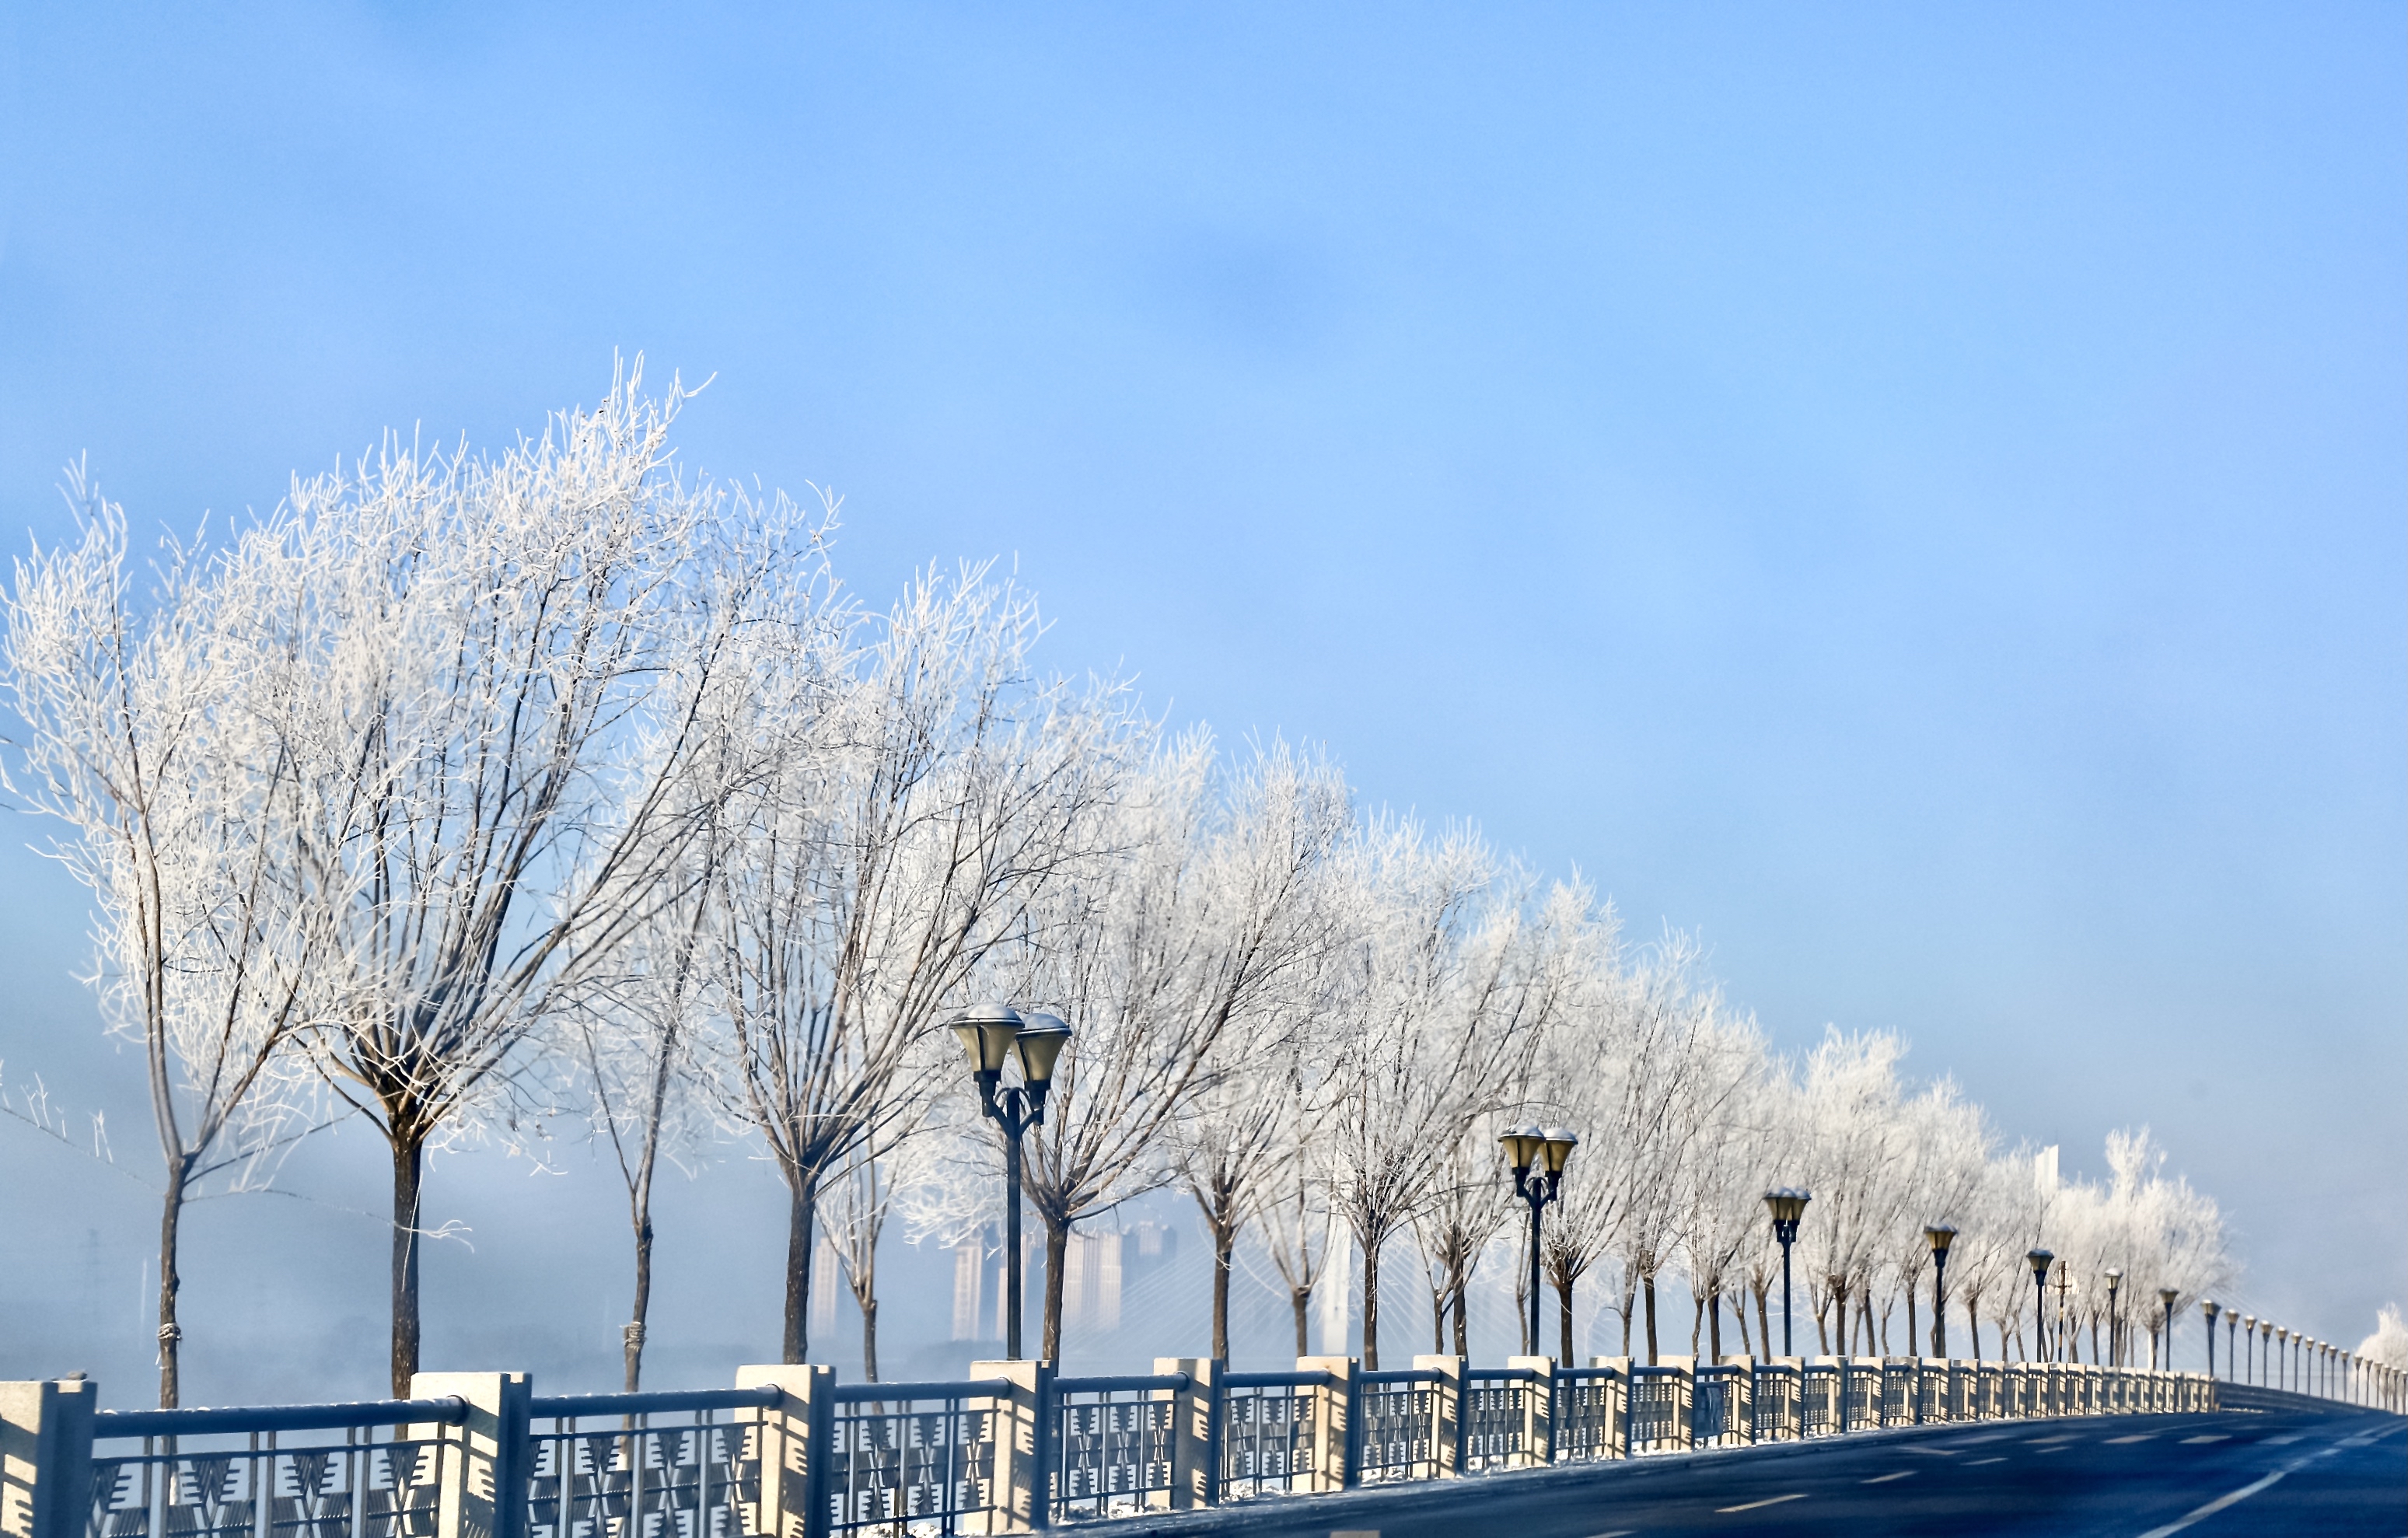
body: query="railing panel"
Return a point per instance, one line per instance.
(1113, 1453)
(1819, 1402)
(1268, 1440)
(912, 1458)
(1774, 1402)
(1860, 1399)
(1718, 1413)
(1496, 1413)
(381, 1479)
(1586, 1415)
(1656, 1411)
(1398, 1413)
(659, 1466)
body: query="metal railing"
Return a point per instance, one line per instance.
(803, 1457)
(912, 1457)
(1269, 1432)
(1110, 1439)
(372, 1470)
(1397, 1426)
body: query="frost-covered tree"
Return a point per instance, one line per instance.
(146, 735)
(912, 817)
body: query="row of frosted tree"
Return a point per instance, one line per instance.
(483, 799)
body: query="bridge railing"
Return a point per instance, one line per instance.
(789, 1453)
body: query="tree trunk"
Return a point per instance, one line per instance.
(408, 1177)
(1697, 1323)
(1225, 1243)
(1974, 1324)
(1300, 1300)
(1715, 1324)
(1563, 1323)
(800, 1211)
(171, 1334)
(1371, 1308)
(1650, 1282)
(1910, 1348)
(1462, 1326)
(869, 1337)
(1057, 1256)
(1764, 1321)
(633, 1348)
(1739, 1317)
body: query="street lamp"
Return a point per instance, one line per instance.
(1549, 1147)
(2248, 1342)
(2231, 1342)
(2267, 1377)
(2207, 1306)
(2115, 1340)
(1940, 1236)
(2166, 1297)
(991, 1034)
(1788, 1204)
(2040, 1260)
(2282, 1357)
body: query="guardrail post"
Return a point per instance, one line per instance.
(485, 1469)
(1024, 1447)
(1742, 1400)
(1538, 1411)
(45, 1457)
(794, 1444)
(1447, 1413)
(1195, 1451)
(1685, 1404)
(1337, 1460)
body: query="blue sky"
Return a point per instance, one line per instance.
(1915, 496)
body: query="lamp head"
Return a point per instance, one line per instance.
(1941, 1235)
(1522, 1145)
(2040, 1260)
(1041, 1039)
(2115, 1279)
(2166, 1297)
(1557, 1147)
(1788, 1204)
(2209, 1307)
(986, 1031)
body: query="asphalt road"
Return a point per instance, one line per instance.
(2219, 1475)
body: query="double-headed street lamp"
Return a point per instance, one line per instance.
(1941, 1235)
(2207, 1306)
(1788, 1204)
(2039, 1262)
(1537, 1156)
(993, 1034)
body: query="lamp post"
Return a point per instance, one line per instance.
(2231, 1342)
(1549, 1146)
(2115, 1340)
(991, 1033)
(2064, 1314)
(2166, 1297)
(2207, 1306)
(2282, 1357)
(2265, 1354)
(1788, 1204)
(1940, 1236)
(2040, 1260)
(2249, 1341)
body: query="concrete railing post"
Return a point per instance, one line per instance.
(1447, 1412)
(1194, 1428)
(1022, 1500)
(793, 1442)
(1334, 1454)
(1685, 1391)
(485, 1456)
(45, 1457)
(1538, 1411)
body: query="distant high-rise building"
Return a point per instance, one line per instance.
(2045, 1170)
(970, 1280)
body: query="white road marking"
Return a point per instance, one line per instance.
(1725, 1511)
(2196, 1441)
(1618, 1533)
(2278, 1440)
(2120, 1441)
(1979, 1462)
(2244, 1493)
(1902, 1474)
(1934, 1452)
